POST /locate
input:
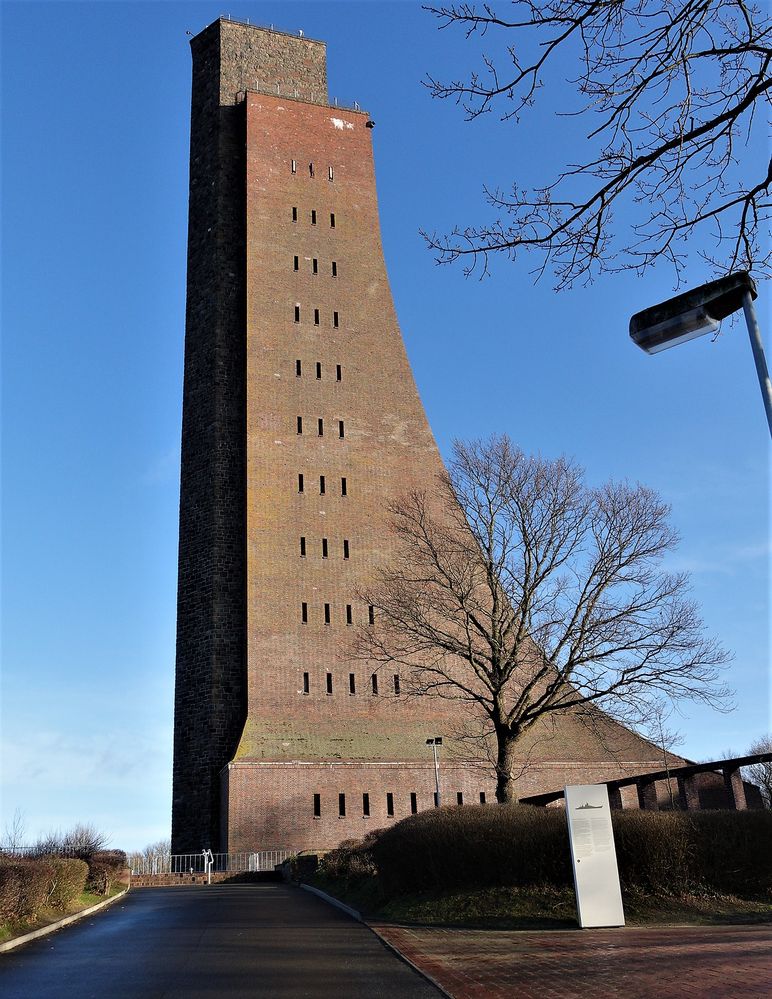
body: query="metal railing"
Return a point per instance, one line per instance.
(195, 863)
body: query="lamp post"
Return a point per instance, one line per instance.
(436, 741)
(700, 311)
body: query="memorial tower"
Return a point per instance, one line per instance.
(301, 419)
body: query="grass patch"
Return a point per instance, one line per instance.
(16, 928)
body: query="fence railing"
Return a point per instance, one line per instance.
(195, 863)
(41, 850)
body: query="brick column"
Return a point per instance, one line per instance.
(647, 794)
(733, 782)
(615, 798)
(689, 793)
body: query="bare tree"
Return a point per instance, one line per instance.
(523, 592)
(760, 774)
(14, 833)
(656, 730)
(673, 93)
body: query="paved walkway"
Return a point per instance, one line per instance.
(721, 962)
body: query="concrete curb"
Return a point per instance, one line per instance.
(53, 927)
(390, 946)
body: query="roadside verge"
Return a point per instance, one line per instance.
(52, 927)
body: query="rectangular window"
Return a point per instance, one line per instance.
(341, 805)
(300, 424)
(436, 800)
(330, 173)
(324, 547)
(341, 429)
(304, 612)
(294, 166)
(326, 613)
(349, 614)
(318, 369)
(300, 482)
(459, 797)
(317, 805)
(338, 373)
(345, 548)
(297, 313)
(302, 547)
(296, 263)
(371, 614)
(298, 369)
(413, 802)
(343, 487)
(329, 683)
(482, 797)
(306, 683)
(389, 803)
(375, 683)
(313, 216)
(332, 220)
(320, 427)
(335, 320)
(294, 214)
(335, 268)
(310, 169)
(396, 683)
(352, 683)
(316, 317)
(365, 804)
(314, 266)
(321, 485)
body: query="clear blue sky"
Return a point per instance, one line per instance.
(94, 169)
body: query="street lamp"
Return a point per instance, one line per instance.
(436, 741)
(700, 311)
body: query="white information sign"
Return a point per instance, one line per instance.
(596, 876)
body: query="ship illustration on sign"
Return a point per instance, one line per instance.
(587, 805)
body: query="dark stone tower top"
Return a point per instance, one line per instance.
(244, 57)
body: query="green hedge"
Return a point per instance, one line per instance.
(520, 845)
(68, 881)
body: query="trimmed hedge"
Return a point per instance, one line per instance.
(24, 888)
(104, 866)
(520, 845)
(68, 880)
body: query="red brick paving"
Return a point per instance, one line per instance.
(716, 962)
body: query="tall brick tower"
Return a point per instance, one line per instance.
(300, 420)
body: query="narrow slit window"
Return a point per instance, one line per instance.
(321, 485)
(324, 548)
(313, 216)
(341, 805)
(335, 320)
(335, 268)
(338, 372)
(413, 803)
(304, 612)
(329, 683)
(389, 803)
(459, 797)
(300, 424)
(318, 369)
(296, 263)
(298, 368)
(436, 800)
(396, 683)
(310, 169)
(332, 220)
(302, 547)
(320, 427)
(343, 487)
(306, 683)
(294, 166)
(326, 613)
(365, 803)
(294, 214)
(330, 173)
(345, 548)
(371, 614)
(352, 683)
(316, 317)
(317, 805)
(314, 266)
(297, 313)
(300, 482)
(482, 797)
(374, 681)
(349, 614)
(341, 429)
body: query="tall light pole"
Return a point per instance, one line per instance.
(699, 311)
(436, 741)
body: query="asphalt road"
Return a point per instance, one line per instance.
(218, 942)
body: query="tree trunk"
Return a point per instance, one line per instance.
(505, 758)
